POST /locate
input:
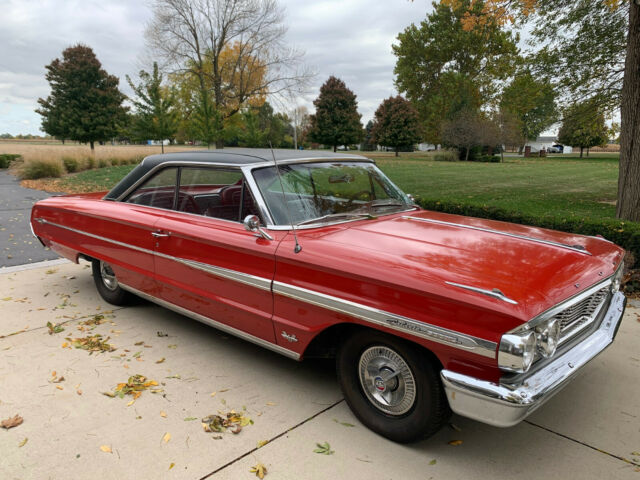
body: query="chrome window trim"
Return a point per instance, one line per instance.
(506, 234)
(399, 323)
(213, 323)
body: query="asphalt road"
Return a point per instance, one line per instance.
(17, 244)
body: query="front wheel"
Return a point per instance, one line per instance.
(391, 386)
(107, 284)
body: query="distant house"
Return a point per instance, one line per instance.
(545, 142)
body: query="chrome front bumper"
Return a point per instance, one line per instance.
(506, 405)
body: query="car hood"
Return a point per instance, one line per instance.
(430, 251)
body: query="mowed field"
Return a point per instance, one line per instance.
(559, 186)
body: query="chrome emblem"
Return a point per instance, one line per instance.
(291, 338)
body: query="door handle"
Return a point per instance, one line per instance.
(160, 234)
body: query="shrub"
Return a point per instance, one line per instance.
(486, 159)
(7, 158)
(70, 164)
(445, 156)
(90, 163)
(103, 163)
(41, 168)
(625, 234)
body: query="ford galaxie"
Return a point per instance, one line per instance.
(320, 254)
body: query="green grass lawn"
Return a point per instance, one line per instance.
(556, 186)
(566, 187)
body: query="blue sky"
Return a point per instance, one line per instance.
(349, 39)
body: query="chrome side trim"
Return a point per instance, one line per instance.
(399, 323)
(251, 280)
(573, 248)
(213, 323)
(389, 320)
(504, 405)
(495, 293)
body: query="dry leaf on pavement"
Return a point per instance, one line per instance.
(167, 437)
(163, 414)
(23, 442)
(260, 470)
(11, 422)
(455, 443)
(323, 449)
(106, 449)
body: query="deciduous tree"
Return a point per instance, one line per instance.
(532, 102)
(336, 121)
(594, 46)
(443, 68)
(155, 116)
(85, 104)
(233, 50)
(584, 126)
(396, 124)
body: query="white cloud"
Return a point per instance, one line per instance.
(349, 39)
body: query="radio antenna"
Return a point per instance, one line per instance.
(298, 247)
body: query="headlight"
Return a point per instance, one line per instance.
(517, 351)
(616, 281)
(547, 336)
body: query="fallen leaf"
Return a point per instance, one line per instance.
(162, 334)
(54, 328)
(167, 437)
(172, 465)
(635, 454)
(262, 443)
(137, 344)
(260, 470)
(224, 390)
(59, 387)
(79, 392)
(190, 419)
(172, 346)
(137, 354)
(455, 427)
(455, 443)
(106, 449)
(131, 403)
(344, 424)
(65, 345)
(323, 449)
(161, 360)
(214, 394)
(432, 462)
(163, 414)
(23, 442)
(271, 404)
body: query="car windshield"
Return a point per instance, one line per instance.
(324, 192)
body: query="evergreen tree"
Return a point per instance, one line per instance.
(396, 124)
(85, 104)
(336, 121)
(156, 117)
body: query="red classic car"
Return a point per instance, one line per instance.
(312, 253)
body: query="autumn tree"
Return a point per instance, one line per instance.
(584, 126)
(593, 47)
(532, 102)
(336, 121)
(85, 103)
(463, 131)
(443, 68)
(232, 50)
(396, 124)
(155, 116)
(368, 143)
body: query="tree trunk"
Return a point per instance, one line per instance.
(335, 148)
(396, 151)
(92, 147)
(162, 145)
(466, 157)
(581, 150)
(219, 143)
(628, 206)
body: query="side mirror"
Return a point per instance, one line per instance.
(252, 224)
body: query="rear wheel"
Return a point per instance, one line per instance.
(391, 386)
(107, 284)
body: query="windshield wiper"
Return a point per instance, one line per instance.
(325, 218)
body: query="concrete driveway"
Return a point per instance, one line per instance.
(71, 430)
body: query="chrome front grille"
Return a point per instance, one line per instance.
(578, 316)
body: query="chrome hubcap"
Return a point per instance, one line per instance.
(387, 380)
(108, 277)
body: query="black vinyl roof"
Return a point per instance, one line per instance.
(231, 157)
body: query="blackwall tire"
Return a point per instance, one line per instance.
(107, 284)
(391, 386)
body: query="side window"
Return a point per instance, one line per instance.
(215, 192)
(159, 191)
